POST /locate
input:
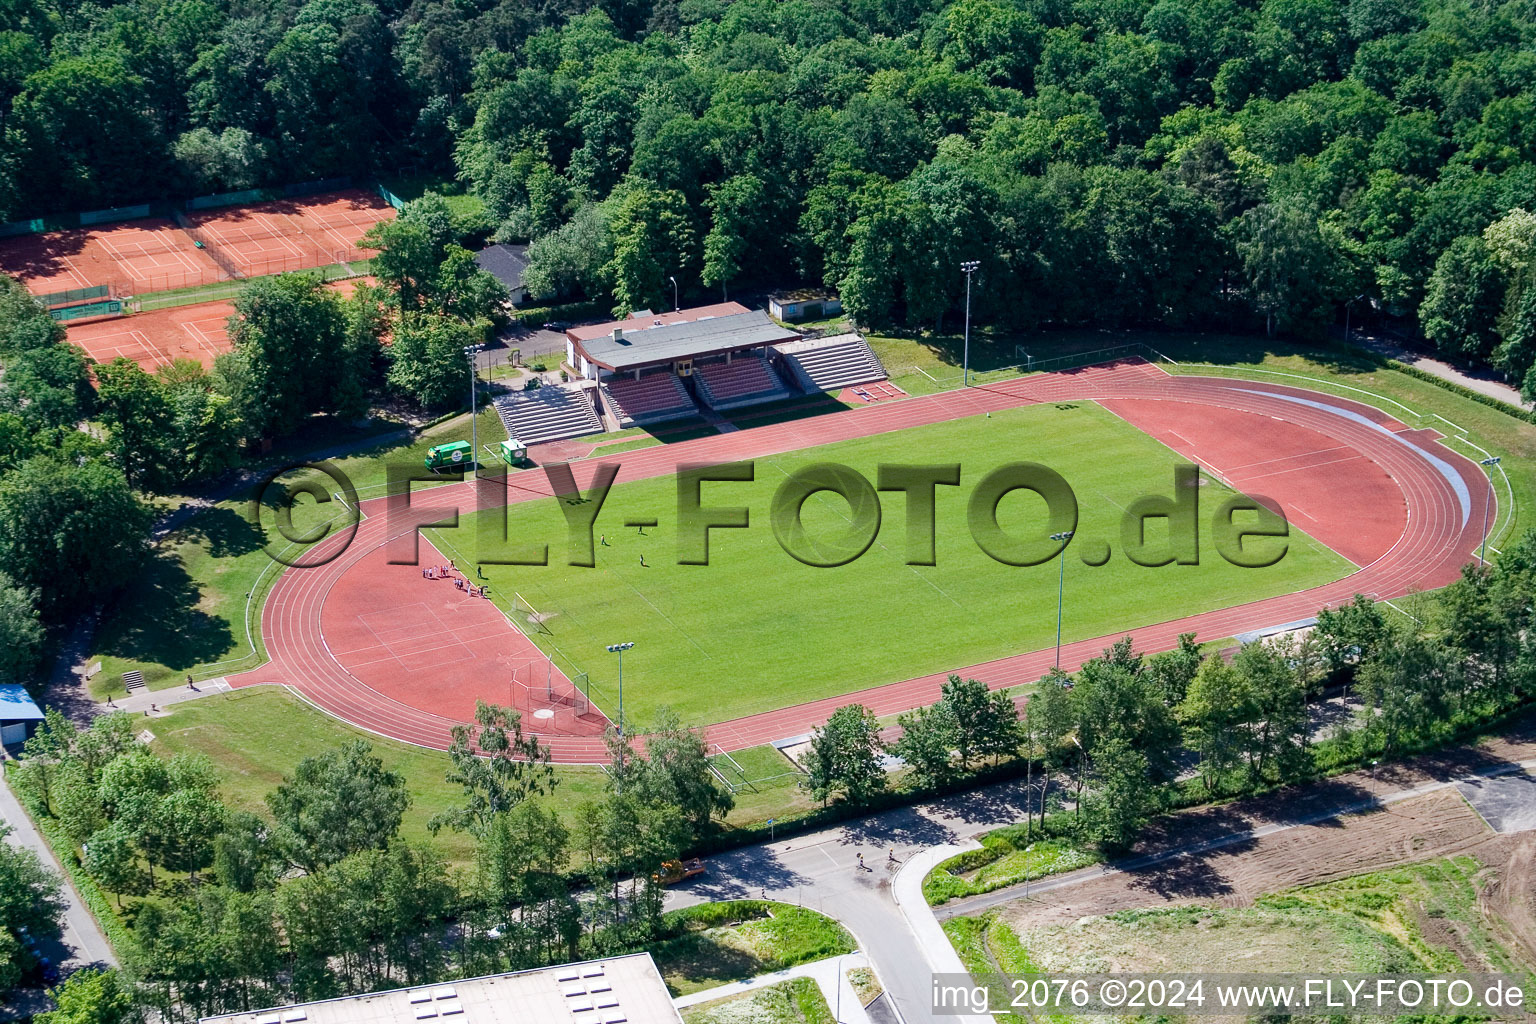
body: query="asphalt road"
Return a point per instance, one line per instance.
(821, 871)
(83, 944)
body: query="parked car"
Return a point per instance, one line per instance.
(558, 325)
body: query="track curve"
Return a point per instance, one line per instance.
(1444, 494)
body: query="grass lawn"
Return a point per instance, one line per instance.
(756, 630)
(195, 609)
(218, 290)
(733, 941)
(237, 731)
(797, 1001)
(1004, 859)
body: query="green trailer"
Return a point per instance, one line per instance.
(513, 452)
(451, 455)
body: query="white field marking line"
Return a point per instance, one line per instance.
(1442, 419)
(182, 258)
(286, 242)
(1324, 382)
(1289, 458)
(1302, 469)
(1509, 489)
(74, 272)
(214, 233)
(827, 503)
(442, 542)
(686, 635)
(113, 251)
(554, 650)
(198, 338)
(141, 341)
(251, 597)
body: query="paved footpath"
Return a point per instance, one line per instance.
(83, 942)
(830, 975)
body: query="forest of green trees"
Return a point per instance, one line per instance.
(1241, 163)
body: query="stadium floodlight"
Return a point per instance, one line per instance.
(968, 268)
(1492, 460)
(619, 649)
(470, 352)
(1061, 579)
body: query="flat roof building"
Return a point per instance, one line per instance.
(19, 714)
(669, 339)
(618, 990)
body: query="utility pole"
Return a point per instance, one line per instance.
(969, 268)
(470, 352)
(1061, 582)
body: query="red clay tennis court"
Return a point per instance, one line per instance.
(157, 339)
(153, 254)
(131, 258)
(291, 234)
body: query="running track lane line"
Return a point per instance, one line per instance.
(1429, 553)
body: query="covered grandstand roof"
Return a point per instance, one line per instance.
(700, 335)
(644, 320)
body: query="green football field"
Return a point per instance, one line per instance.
(756, 630)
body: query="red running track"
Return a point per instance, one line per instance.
(1412, 532)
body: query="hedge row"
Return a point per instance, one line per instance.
(1524, 415)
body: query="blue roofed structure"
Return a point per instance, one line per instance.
(19, 714)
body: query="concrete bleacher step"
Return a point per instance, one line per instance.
(547, 414)
(831, 367)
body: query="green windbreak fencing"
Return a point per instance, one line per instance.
(117, 213)
(390, 197)
(74, 295)
(111, 307)
(21, 227)
(307, 188)
(250, 195)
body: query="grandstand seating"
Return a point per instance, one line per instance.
(651, 399)
(548, 414)
(830, 364)
(746, 380)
